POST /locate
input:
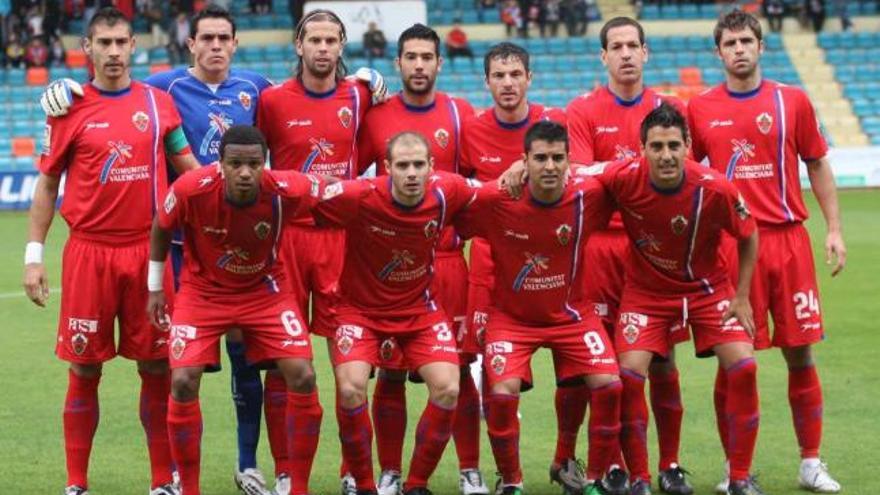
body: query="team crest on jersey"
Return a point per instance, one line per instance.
(178, 345)
(140, 121)
(765, 122)
(631, 334)
(262, 229)
(679, 223)
(386, 350)
(345, 116)
(442, 138)
(431, 229)
(741, 209)
(245, 99)
(79, 342)
(498, 363)
(344, 344)
(563, 234)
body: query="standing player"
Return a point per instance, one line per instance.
(211, 97)
(674, 212)
(536, 242)
(604, 126)
(113, 147)
(438, 117)
(385, 293)
(231, 215)
(754, 130)
(492, 142)
(311, 123)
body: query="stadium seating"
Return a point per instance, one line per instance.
(850, 56)
(563, 68)
(701, 10)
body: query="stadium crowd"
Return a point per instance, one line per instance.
(594, 233)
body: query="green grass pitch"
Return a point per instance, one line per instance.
(33, 385)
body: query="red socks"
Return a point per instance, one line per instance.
(634, 415)
(356, 435)
(805, 398)
(432, 435)
(80, 423)
(304, 415)
(466, 429)
(503, 426)
(742, 416)
(389, 416)
(275, 409)
(154, 414)
(721, 409)
(571, 408)
(668, 411)
(604, 429)
(185, 432)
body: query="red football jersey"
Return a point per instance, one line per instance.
(675, 233)
(111, 146)
(231, 249)
(537, 250)
(603, 127)
(389, 259)
(440, 123)
(491, 146)
(755, 139)
(313, 132)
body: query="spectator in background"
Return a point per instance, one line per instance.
(549, 17)
(151, 10)
(511, 16)
(261, 6)
(815, 10)
(374, 42)
(34, 21)
(845, 21)
(126, 7)
(482, 6)
(568, 12)
(57, 55)
(457, 44)
(37, 53)
(178, 33)
(14, 51)
(774, 10)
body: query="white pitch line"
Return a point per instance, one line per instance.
(21, 293)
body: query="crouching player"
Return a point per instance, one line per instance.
(537, 244)
(393, 226)
(674, 212)
(231, 215)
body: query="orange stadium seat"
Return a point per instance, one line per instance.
(23, 146)
(159, 68)
(37, 76)
(690, 76)
(75, 57)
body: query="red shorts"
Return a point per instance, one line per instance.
(394, 350)
(450, 289)
(579, 349)
(479, 298)
(101, 283)
(648, 322)
(605, 256)
(783, 285)
(270, 324)
(313, 259)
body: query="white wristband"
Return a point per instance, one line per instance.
(155, 275)
(33, 253)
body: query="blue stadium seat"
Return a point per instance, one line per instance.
(650, 12)
(6, 163)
